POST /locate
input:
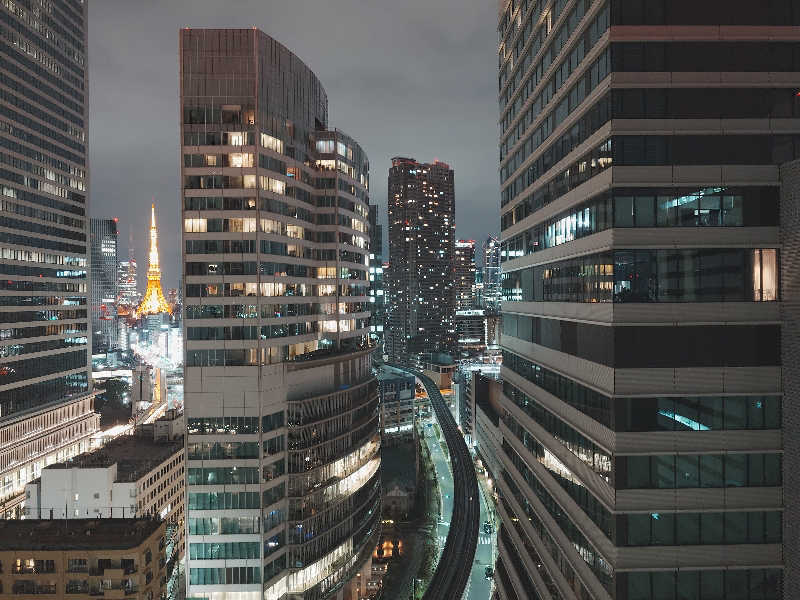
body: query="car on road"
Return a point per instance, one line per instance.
(487, 528)
(488, 572)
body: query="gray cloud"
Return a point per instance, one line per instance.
(412, 78)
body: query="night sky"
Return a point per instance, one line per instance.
(404, 78)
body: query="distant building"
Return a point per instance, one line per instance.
(128, 293)
(396, 390)
(464, 274)
(136, 475)
(108, 558)
(104, 282)
(376, 277)
(491, 273)
(439, 367)
(421, 260)
(471, 331)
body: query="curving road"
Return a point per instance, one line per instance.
(455, 564)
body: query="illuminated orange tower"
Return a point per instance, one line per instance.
(153, 302)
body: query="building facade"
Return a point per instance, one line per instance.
(642, 332)
(283, 462)
(105, 558)
(127, 285)
(397, 395)
(471, 332)
(44, 243)
(104, 283)
(376, 278)
(464, 274)
(131, 476)
(422, 223)
(491, 274)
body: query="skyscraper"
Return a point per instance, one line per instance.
(464, 274)
(45, 390)
(641, 238)
(104, 282)
(422, 227)
(376, 276)
(491, 273)
(127, 285)
(281, 406)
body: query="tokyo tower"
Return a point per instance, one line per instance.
(153, 302)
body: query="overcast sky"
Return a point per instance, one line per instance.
(403, 77)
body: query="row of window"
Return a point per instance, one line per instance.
(579, 132)
(223, 500)
(27, 397)
(42, 75)
(234, 425)
(674, 413)
(695, 275)
(43, 143)
(270, 311)
(264, 332)
(272, 289)
(706, 528)
(601, 568)
(579, 493)
(29, 301)
(728, 584)
(224, 550)
(223, 475)
(668, 471)
(67, 140)
(39, 243)
(582, 447)
(11, 285)
(47, 160)
(11, 372)
(641, 346)
(708, 57)
(224, 576)
(20, 349)
(641, 150)
(647, 207)
(709, 12)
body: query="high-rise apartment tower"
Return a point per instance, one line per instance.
(283, 463)
(422, 223)
(45, 358)
(464, 274)
(642, 332)
(104, 283)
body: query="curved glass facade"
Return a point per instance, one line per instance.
(280, 401)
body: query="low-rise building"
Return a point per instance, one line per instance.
(132, 476)
(79, 558)
(31, 441)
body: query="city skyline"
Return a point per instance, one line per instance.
(133, 148)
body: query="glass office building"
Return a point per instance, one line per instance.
(283, 462)
(642, 336)
(45, 389)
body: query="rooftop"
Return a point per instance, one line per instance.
(75, 534)
(135, 456)
(385, 372)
